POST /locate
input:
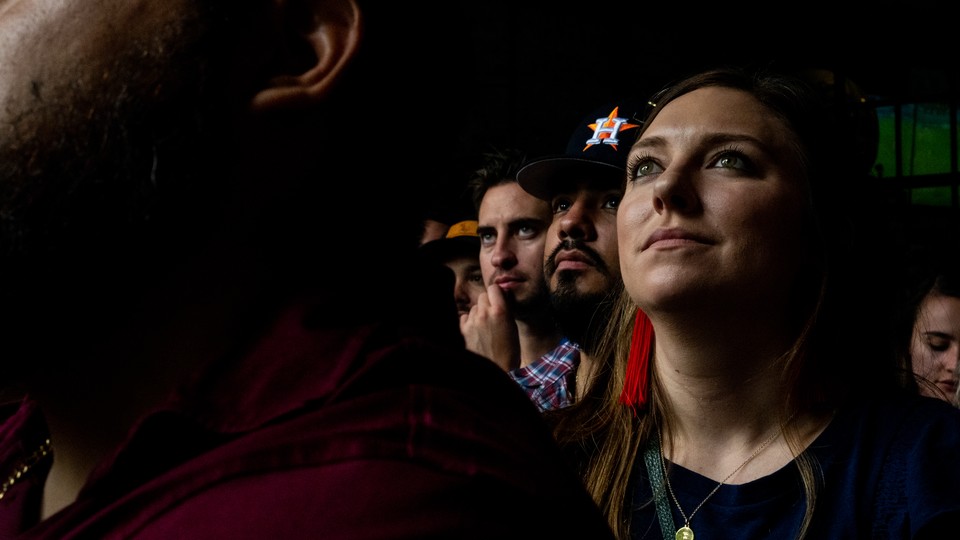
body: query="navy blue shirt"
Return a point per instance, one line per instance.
(891, 469)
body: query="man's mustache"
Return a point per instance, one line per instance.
(550, 266)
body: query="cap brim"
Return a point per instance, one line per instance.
(545, 177)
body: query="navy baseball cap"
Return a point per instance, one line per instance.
(597, 151)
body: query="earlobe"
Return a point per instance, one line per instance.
(332, 32)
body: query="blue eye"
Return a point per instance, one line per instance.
(487, 239)
(527, 232)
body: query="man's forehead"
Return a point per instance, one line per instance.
(513, 223)
(508, 206)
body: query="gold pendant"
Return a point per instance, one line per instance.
(684, 533)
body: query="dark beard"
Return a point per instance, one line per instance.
(86, 182)
(583, 317)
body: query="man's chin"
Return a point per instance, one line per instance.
(578, 284)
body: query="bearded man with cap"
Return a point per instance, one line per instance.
(581, 261)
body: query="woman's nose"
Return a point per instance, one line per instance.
(674, 192)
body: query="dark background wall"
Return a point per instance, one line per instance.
(535, 68)
(539, 66)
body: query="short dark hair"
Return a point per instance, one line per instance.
(497, 166)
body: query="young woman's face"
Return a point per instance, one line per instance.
(935, 347)
(712, 217)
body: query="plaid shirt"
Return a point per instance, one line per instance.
(548, 380)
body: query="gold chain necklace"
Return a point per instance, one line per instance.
(24, 466)
(685, 532)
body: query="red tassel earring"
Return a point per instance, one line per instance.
(636, 386)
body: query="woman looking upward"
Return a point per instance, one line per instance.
(768, 403)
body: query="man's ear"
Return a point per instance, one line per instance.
(322, 37)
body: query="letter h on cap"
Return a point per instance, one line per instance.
(606, 130)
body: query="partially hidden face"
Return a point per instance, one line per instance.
(714, 206)
(468, 282)
(99, 108)
(87, 91)
(935, 345)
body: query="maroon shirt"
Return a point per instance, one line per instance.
(323, 430)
